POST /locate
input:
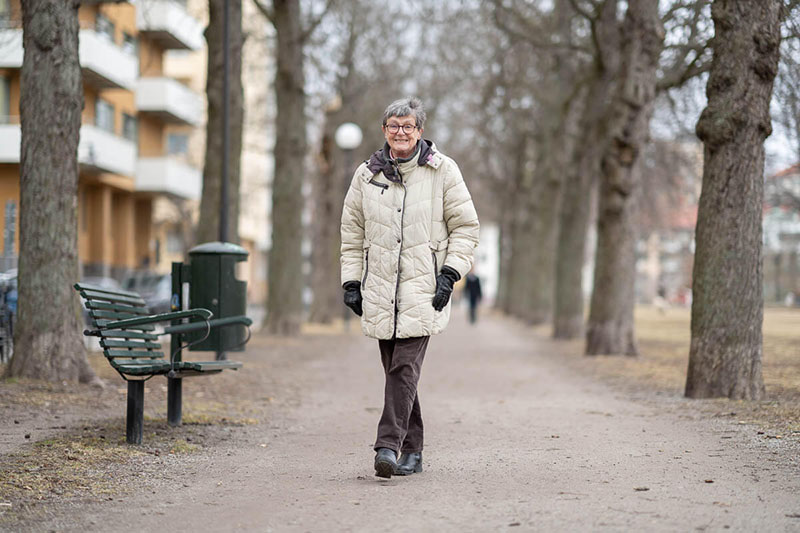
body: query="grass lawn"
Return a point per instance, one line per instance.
(664, 356)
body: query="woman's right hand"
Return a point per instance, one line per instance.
(352, 296)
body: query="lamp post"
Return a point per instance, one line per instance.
(348, 137)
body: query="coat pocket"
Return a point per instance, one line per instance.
(438, 254)
(366, 266)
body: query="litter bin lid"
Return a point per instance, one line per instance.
(218, 248)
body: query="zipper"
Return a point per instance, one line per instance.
(379, 184)
(366, 269)
(400, 253)
(435, 266)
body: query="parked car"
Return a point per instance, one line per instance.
(155, 289)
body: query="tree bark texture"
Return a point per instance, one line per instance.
(581, 175)
(330, 187)
(285, 283)
(610, 328)
(47, 338)
(520, 285)
(208, 224)
(727, 304)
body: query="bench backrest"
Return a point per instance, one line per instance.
(131, 346)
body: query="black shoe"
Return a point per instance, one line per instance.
(385, 462)
(410, 463)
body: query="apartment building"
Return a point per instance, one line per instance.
(136, 124)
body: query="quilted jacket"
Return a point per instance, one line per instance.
(397, 235)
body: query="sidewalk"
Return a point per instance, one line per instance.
(518, 437)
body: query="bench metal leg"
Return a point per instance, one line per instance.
(174, 401)
(135, 418)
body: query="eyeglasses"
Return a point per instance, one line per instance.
(408, 129)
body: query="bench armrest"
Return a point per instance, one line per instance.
(216, 323)
(204, 314)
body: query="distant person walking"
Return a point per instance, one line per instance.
(409, 230)
(472, 287)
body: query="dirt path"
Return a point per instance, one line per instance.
(517, 439)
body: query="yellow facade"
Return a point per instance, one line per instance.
(115, 222)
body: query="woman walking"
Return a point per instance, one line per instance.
(409, 230)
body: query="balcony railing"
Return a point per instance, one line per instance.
(101, 151)
(10, 139)
(168, 23)
(98, 150)
(104, 64)
(168, 175)
(11, 48)
(170, 100)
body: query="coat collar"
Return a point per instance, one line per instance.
(381, 161)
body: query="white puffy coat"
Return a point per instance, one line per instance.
(397, 236)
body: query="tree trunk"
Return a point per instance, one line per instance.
(522, 218)
(727, 301)
(329, 192)
(208, 225)
(581, 174)
(610, 328)
(284, 305)
(47, 337)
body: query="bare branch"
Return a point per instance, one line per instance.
(265, 10)
(314, 22)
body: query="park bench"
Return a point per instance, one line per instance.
(129, 339)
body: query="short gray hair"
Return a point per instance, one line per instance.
(404, 107)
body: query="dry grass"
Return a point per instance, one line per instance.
(664, 355)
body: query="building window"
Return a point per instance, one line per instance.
(105, 27)
(5, 100)
(5, 13)
(104, 116)
(129, 43)
(177, 144)
(130, 127)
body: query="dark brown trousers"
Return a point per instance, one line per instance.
(400, 427)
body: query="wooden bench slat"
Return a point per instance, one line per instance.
(138, 362)
(112, 297)
(111, 314)
(123, 308)
(97, 288)
(143, 327)
(126, 334)
(132, 353)
(106, 343)
(160, 367)
(202, 366)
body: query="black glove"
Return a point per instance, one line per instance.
(352, 296)
(444, 287)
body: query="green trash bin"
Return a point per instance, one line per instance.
(214, 287)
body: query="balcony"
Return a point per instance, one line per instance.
(11, 48)
(168, 175)
(98, 150)
(10, 139)
(169, 100)
(104, 64)
(101, 151)
(169, 24)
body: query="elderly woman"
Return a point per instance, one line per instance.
(409, 231)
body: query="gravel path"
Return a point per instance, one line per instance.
(518, 437)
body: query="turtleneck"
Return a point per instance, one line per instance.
(408, 164)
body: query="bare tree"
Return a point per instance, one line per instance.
(727, 305)
(210, 203)
(584, 168)
(47, 338)
(285, 281)
(610, 327)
